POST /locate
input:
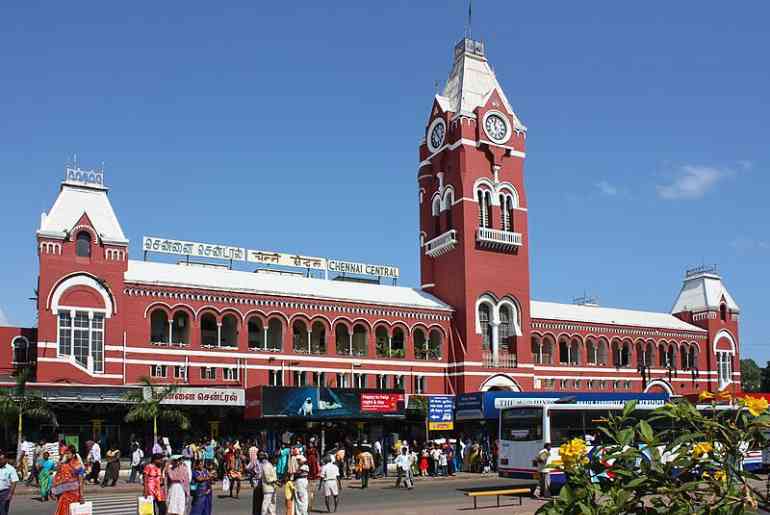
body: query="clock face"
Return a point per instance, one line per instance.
(437, 135)
(496, 128)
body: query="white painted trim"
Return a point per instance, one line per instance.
(471, 143)
(726, 334)
(499, 380)
(81, 279)
(662, 384)
(82, 369)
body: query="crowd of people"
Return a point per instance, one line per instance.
(183, 482)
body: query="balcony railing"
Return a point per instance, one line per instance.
(504, 360)
(442, 244)
(497, 239)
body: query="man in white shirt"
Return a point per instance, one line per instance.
(95, 459)
(136, 463)
(8, 480)
(404, 468)
(542, 462)
(330, 478)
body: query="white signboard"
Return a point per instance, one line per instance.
(276, 258)
(541, 401)
(86, 177)
(350, 267)
(205, 397)
(193, 249)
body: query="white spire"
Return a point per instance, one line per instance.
(703, 290)
(471, 82)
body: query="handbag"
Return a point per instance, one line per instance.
(82, 508)
(66, 486)
(226, 484)
(145, 506)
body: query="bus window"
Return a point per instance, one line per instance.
(566, 425)
(522, 425)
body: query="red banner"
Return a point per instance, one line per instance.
(381, 402)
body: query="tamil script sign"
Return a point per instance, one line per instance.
(349, 267)
(204, 396)
(264, 257)
(193, 249)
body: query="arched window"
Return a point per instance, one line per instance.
(693, 356)
(434, 351)
(621, 353)
(450, 199)
(625, 354)
(574, 351)
(274, 334)
(209, 331)
(601, 353)
(360, 337)
(485, 205)
(723, 312)
(83, 244)
(662, 357)
(300, 338)
(342, 340)
(256, 334)
(318, 338)
(547, 351)
(564, 357)
(229, 337)
(506, 212)
(684, 356)
(398, 343)
(159, 326)
(180, 328)
(649, 354)
(591, 352)
(506, 334)
(486, 328)
(671, 356)
(20, 347)
(436, 215)
(640, 355)
(420, 344)
(381, 340)
(724, 368)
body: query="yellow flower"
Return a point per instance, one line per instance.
(755, 405)
(702, 448)
(720, 475)
(724, 395)
(573, 453)
(705, 396)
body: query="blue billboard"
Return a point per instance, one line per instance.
(441, 412)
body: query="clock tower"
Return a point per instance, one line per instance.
(473, 223)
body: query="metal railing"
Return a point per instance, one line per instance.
(504, 360)
(496, 238)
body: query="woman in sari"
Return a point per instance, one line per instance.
(44, 468)
(201, 490)
(68, 482)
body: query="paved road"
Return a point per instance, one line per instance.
(430, 496)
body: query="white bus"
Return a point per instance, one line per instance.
(524, 430)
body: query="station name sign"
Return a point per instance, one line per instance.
(85, 177)
(203, 396)
(263, 257)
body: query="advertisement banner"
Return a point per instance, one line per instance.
(441, 412)
(324, 403)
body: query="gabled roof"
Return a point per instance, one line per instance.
(609, 316)
(704, 292)
(165, 274)
(74, 201)
(471, 82)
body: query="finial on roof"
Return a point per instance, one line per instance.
(470, 19)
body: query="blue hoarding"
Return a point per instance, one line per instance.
(441, 408)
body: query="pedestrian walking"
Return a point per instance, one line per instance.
(257, 495)
(8, 480)
(301, 494)
(543, 469)
(330, 480)
(136, 462)
(269, 482)
(44, 470)
(112, 470)
(94, 460)
(178, 486)
(201, 490)
(68, 482)
(404, 469)
(364, 466)
(154, 483)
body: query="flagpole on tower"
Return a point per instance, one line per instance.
(470, 19)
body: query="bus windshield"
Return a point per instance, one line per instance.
(521, 424)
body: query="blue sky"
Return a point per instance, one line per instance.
(294, 126)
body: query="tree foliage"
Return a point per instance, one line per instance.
(18, 402)
(751, 376)
(147, 405)
(691, 464)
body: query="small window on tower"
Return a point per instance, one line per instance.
(83, 244)
(723, 312)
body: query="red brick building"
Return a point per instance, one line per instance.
(106, 317)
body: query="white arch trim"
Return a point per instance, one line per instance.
(485, 299)
(499, 381)
(81, 280)
(660, 383)
(515, 312)
(724, 333)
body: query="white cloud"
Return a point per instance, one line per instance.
(692, 182)
(3, 319)
(606, 188)
(746, 245)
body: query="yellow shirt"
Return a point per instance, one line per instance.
(288, 490)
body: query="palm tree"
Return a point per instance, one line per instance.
(147, 405)
(19, 401)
